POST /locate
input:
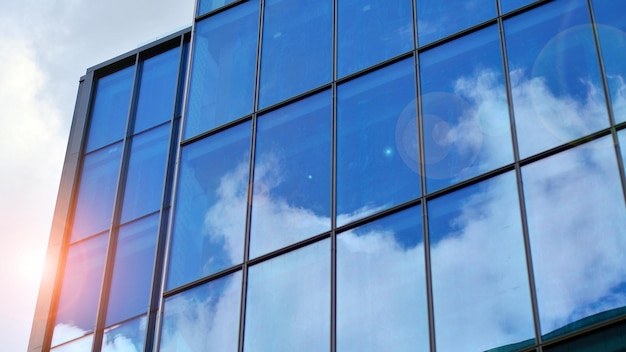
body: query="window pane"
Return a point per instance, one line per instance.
(94, 205)
(510, 5)
(377, 163)
(611, 29)
(557, 92)
(134, 260)
(297, 48)
(127, 337)
(609, 339)
(78, 303)
(577, 227)
(292, 174)
(438, 19)
(210, 214)
(109, 111)
(480, 282)
(80, 345)
(205, 318)
(372, 32)
(465, 111)
(205, 6)
(223, 68)
(157, 91)
(381, 278)
(288, 305)
(146, 173)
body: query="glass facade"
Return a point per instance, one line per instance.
(347, 175)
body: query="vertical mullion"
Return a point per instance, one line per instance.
(333, 182)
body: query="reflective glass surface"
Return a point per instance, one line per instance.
(96, 192)
(205, 318)
(146, 173)
(381, 286)
(480, 282)
(109, 110)
(438, 19)
(557, 92)
(78, 303)
(510, 5)
(291, 200)
(371, 32)
(288, 302)
(157, 90)
(577, 227)
(205, 6)
(609, 339)
(127, 337)
(134, 259)
(210, 210)
(612, 33)
(297, 48)
(464, 109)
(80, 345)
(377, 156)
(222, 82)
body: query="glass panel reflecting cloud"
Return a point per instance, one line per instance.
(577, 226)
(465, 111)
(480, 282)
(381, 286)
(80, 345)
(127, 337)
(205, 318)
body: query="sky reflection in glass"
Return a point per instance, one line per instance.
(557, 92)
(80, 345)
(465, 111)
(377, 162)
(381, 278)
(210, 211)
(577, 226)
(510, 5)
(127, 337)
(291, 199)
(205, 6)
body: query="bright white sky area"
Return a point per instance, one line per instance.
(47, 45)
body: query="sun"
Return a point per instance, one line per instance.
(30, 267)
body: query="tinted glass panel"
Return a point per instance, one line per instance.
(381, 278)
(557, 92)
(76, 313)
(210, 213)
(127, 337)
(80, 345)
(292, 174)
(297, 48)
(465, 111)
(480, 283)
(205, 6)
(438, 19)
(377, 163)
(577, 226)
(610, 339)
(134, 260)
(205, 318)
(96, 193)
(146, 173)
(110, 108)
(157, 90)
(223, 68)
(510, 5)
(611, 29)
(288, 304)
(371, 32)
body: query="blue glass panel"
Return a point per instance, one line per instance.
(109, 111)
(609, 16)
(96, 192)
(480, 282)
(127, 337)
(438, 19)
(80, 345)
(78, 303)
(577, 227)
(381, 278)
(157, 90)
(205, 6)
(297, 48)
(377, 162)
(223, 68)
(134, 259)
(288, 302)
(510, 5)
(146, 173)
(291, 199)
(210, 210)
(372, 32)
(464, 109)
(205, 318)
(557, 91)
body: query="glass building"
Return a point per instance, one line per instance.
(349, 175)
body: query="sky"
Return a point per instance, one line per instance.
(47, 45)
